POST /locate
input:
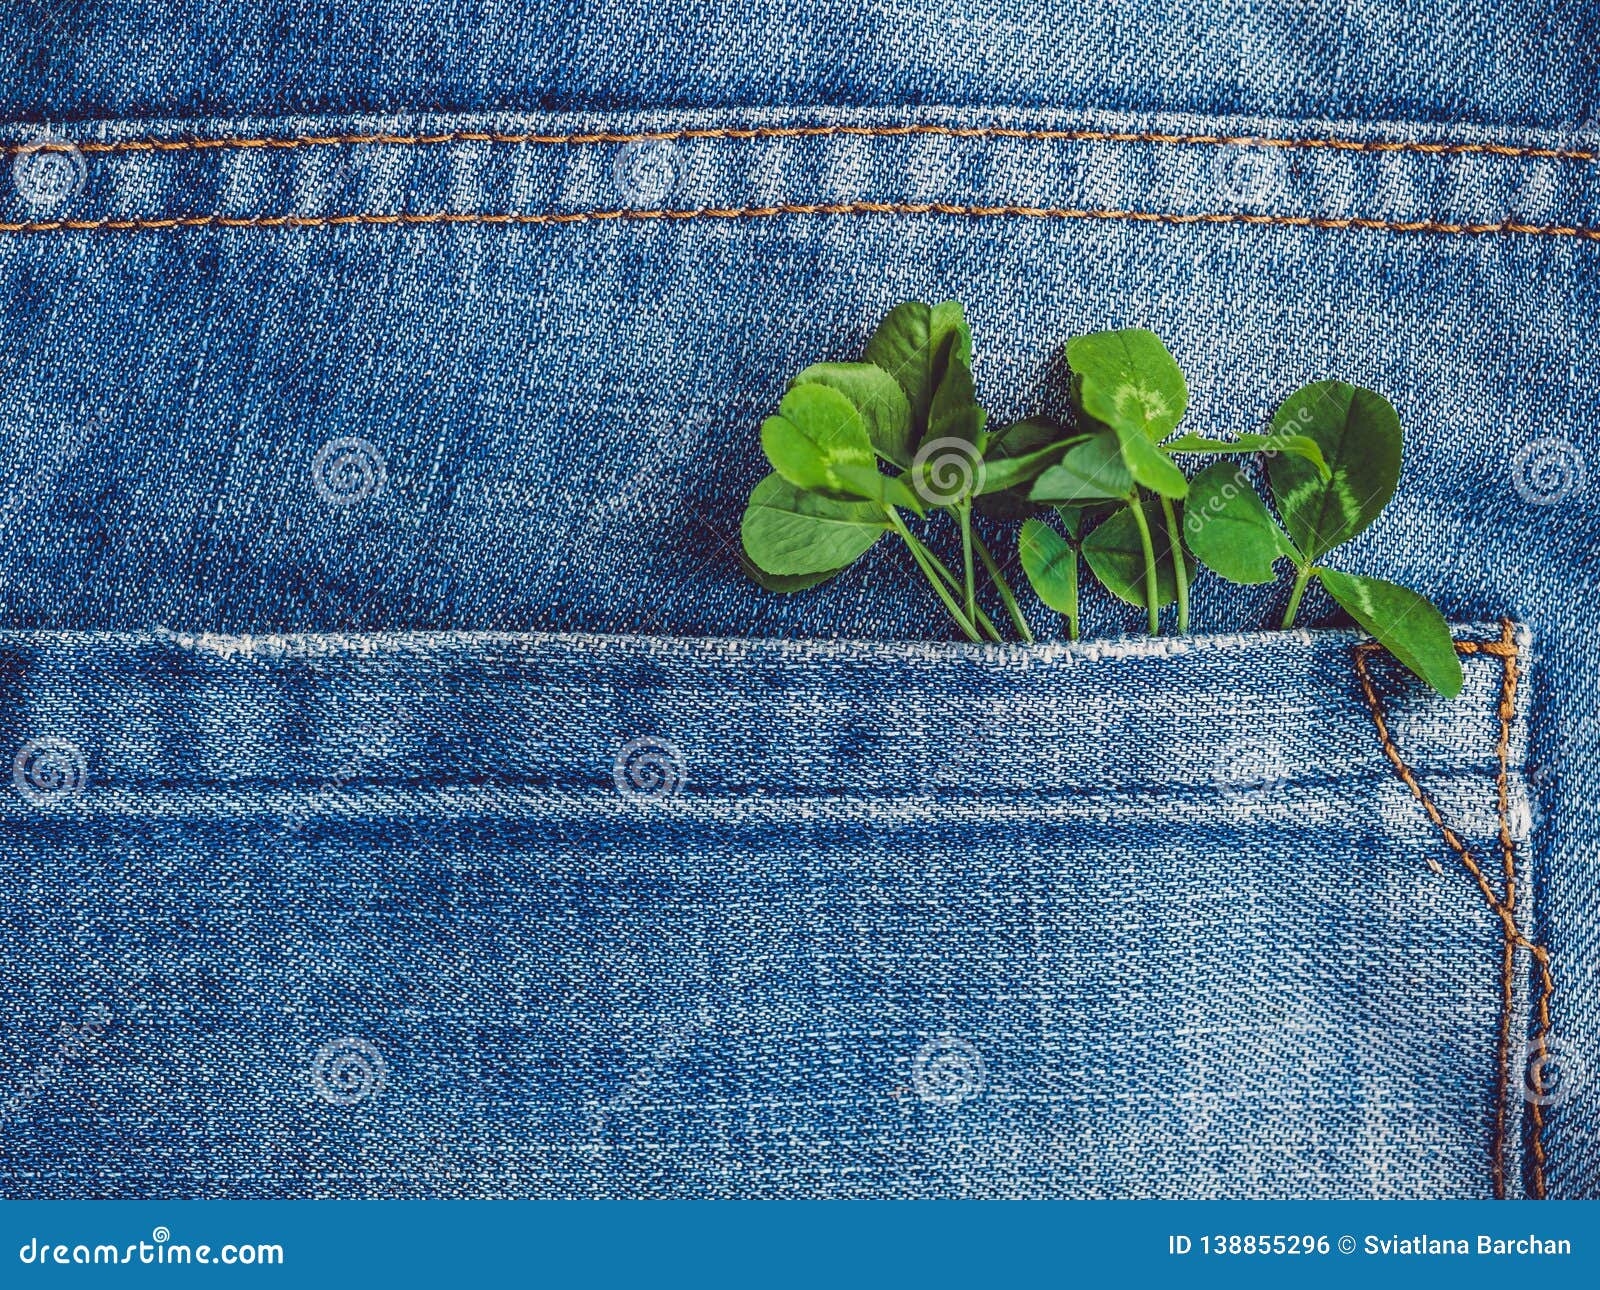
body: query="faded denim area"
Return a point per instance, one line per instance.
(1403, 60)
(596, 916)
(312, 388)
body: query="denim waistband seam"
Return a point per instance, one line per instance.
(1360, 223)
(602, 137)
(707, 171)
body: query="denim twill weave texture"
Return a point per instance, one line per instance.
(573, 916)
(247, 389)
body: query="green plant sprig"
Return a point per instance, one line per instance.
(1232, 532)
(910, 406)
(1130, 395)
(857, 447)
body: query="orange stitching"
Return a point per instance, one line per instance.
(760, 212)
(1508, 863)
(1504, 909)
(820, 131)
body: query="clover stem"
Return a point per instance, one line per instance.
(1070, 519)
(1301, 578)
(964, 510)
(1151, 592)
(982, 620)
(1180, 574)
(1004, 588)
(917, 554)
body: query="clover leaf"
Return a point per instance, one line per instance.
(1358, 435)
(1051, 561)
(1113, 477)
(1129, 381)
(788, 530)
(819, 441)
(1092, 469)
(878, 399)
(1018, 454)
(785, 583)
(1013, 457)
(1404, 622)
(1124, 550)
(917, 344)
(1270, 444)
(1229, 529)
(913, 405)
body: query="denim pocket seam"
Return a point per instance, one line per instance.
(602, 137)
(1046, 194)
(1322, 222)
(1506, 649)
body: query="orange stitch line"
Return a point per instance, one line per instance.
(1508, 854)
(761, 212)
(1508, 698)
(819, 131)
(1507, 651)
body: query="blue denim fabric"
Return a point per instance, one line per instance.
(565, 916)
(370, 426)
(1488, 63)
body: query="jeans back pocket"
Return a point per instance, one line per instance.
(521, 915)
